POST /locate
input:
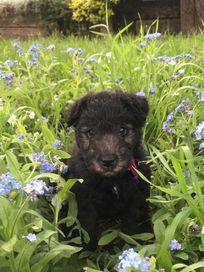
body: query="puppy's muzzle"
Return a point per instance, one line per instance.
(108, 161)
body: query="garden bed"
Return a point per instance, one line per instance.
(39, 80)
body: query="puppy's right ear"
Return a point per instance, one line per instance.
(74, 113)
(77, 108)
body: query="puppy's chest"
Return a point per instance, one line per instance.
(109, 201)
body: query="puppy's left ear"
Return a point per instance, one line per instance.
(139, 107)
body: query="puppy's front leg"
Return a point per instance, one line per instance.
(88, 218)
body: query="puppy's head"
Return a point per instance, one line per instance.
(108, 129)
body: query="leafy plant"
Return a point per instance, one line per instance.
(39, 79)
(55, 14)
(91, 11)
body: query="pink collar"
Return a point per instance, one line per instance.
(133, 167)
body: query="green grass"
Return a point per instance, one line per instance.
(33, 107)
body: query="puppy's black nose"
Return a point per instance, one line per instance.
(108, 161)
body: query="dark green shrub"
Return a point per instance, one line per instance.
(56, 14)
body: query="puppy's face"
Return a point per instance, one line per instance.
(108, 130)
(107, 151)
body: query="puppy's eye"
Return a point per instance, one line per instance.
(90, 133)
(123, 131)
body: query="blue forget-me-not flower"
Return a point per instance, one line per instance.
(199, 133)
(8, 183)
(174, 245)
(35, 188)
(30, 236)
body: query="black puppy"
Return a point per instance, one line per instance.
(108, 130)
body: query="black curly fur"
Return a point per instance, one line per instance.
(108, 137)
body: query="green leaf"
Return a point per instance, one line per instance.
(143, 236)
(27, 166)
(119, 34)
(163, 161)
(149, 250)
(62, 154)
(88, 269)
(62, 195)
(72, 212)
(45, 222)
(159, 231)
(23, 258)
(108, 238)
(63, 250)
(4, 264)
(47, 133)
(8, 246)
(182, 255)
(6, 213)
(186, 195)
(51, 176)
(194, 178)
(169, 235)
(127, 238)
(2, 165)
(178, 266)
(192, 267)
(13, 165)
